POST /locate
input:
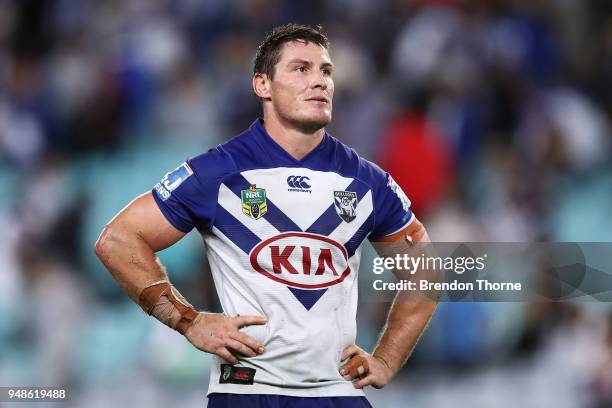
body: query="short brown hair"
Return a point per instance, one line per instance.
(268, 53)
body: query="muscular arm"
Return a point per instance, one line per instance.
(127, 247)
(407, 320)
(405, 324)
(128, 243)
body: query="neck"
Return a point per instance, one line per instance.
(297, 142)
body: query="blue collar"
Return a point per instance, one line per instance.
(280, 154)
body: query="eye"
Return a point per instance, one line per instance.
(327, 71)
(301, 68)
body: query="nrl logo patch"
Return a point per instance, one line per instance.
(346, 205)
(254, 202)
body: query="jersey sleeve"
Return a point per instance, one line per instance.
(392, 208)
(187, 196)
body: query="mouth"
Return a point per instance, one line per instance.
(319, 99)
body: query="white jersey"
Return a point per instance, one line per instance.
(284, 239)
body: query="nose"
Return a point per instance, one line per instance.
(319, 81)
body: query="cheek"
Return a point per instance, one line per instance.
(285, 92)
(280, 99)
(288, 98)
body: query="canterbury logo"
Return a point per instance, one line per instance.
(299, 182)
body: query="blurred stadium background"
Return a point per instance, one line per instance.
(494, 116)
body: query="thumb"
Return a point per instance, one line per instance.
(349, 351)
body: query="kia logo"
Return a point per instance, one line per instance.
(302, 260)
(298, 182)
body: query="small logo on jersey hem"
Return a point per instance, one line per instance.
(236, 375)
(254, 202)
(345, 203)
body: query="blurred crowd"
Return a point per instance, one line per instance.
(495, 116)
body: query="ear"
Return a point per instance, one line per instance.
(261, 86)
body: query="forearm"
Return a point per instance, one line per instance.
(405, 324)
(134, 265)
(407, 319)
(130, 260)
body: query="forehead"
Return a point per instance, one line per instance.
(300, 50)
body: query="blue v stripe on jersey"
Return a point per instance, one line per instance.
(356, 240)
(235, 230)
(279, 220)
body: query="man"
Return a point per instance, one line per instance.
(283, 208)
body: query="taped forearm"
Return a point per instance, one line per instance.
(161, 300)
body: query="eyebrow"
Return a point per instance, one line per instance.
(301, 61)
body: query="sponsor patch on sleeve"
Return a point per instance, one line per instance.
(399, 193)
(172, 180)
(236, 375)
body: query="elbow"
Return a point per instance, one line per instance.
(105, 242)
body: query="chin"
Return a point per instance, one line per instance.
(313, 123)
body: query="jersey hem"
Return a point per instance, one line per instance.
(412, 217)
(395, 231)
(166, 212)
(335, 390)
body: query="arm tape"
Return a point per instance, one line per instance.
(151, 295)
